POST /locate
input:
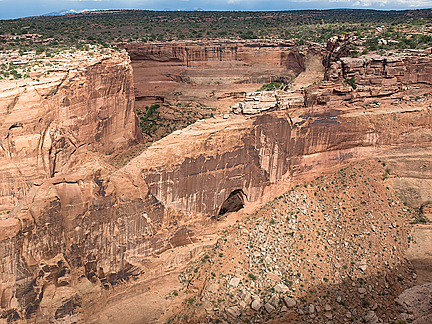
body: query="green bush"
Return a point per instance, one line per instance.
(421, 220)
(407, 43)
(148, 120)
(351, 82)
(372, 44)
(271, 86)
(354, 53)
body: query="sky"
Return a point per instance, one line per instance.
(10, 9)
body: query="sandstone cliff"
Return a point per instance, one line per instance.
(103, 227)
(212, 74)
(86, 106)
(84, 228)
(373, 77)
(369, 79)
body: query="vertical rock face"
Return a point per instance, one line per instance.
(70, 237)
(53, 134)
(42, 125)
(269, 148)
(79, 227)
(161, 70)
(376, 70)
(190, 53)
(373, 79)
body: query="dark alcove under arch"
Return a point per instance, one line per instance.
(233, 203)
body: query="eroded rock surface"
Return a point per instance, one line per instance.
(417, 303)
(257, 102)
(332, 249)
(212, 75)
(81, 228)
(88, 105)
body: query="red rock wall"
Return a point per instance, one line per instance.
(43, 125)
(274, 148)
(88, 227)
(159, 69)
(196, 52)
(97, 228)
(373, 70)
(373, 78)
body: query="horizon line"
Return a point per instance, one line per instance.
(89, 11)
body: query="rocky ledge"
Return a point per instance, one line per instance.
(57, 108)
(79, 231)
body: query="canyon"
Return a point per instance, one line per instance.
(85, 240)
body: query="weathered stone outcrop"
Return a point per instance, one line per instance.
(104, 225)
(257, 102)
(417, 304)
(269, 148)
(252, 52)
(43, 124)
(53, 134)
(339, 46)
(377, 70)
(373, 78)
(82, 227)
(369, 79)
(190, 71)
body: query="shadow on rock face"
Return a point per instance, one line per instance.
(233, 203)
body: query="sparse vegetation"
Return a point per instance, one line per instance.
(107, 28)
(318, 234)
(272, 86)
(148, 120)
(351, 82)
(315, 246)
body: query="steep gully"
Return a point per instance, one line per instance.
(80, 227)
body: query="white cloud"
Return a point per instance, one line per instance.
(393, 3)
(373, 3)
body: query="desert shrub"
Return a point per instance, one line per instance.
(148, 120)
(271, 86)
(351, 82)
(252, 276)
(372, 44)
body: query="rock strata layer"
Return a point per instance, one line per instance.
(89, 105)
(212, 74)
(80, 228)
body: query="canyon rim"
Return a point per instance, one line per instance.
(217, 181)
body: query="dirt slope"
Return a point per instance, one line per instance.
(334, 245)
